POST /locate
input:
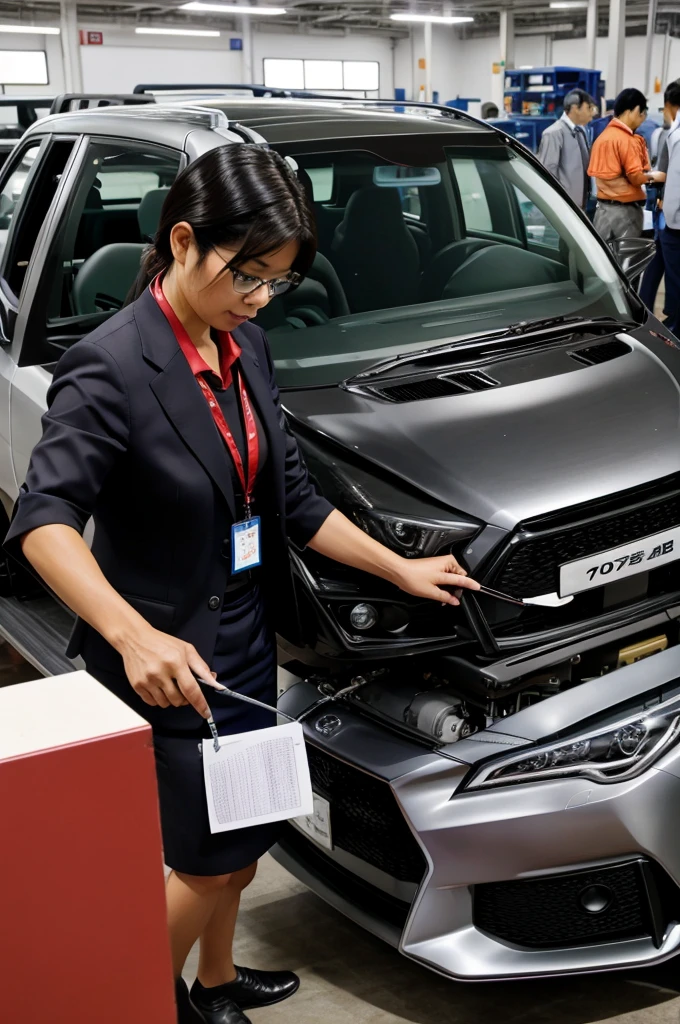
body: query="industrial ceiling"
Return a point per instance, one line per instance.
(330, 17)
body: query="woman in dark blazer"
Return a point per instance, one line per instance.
(165, 426)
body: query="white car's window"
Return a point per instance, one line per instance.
(11, 192)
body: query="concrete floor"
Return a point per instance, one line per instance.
(348, 977)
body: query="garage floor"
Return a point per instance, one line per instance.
(348, 977)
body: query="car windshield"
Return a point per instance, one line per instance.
(422, 241)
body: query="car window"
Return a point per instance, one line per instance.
(410, 202)
(25, 200)
(114, 212)
(472, 196)
(322, 183)
(477, 240)
(10, 194)
(537, 226)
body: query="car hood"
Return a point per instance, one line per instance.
(523, 449)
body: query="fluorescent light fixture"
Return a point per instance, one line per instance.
(564, 5)
(434, 19)
(31, 30)
(212, 33)
(200, 5)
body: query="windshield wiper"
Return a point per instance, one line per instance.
(523, 327)
(526, 326)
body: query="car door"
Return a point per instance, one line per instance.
(28, 185)
(85, 269)
(42, 196)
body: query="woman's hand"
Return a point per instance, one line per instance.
(340, 539)
(163, 670)
(424, 577)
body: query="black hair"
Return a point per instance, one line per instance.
(629, 99)
(672, 94)
(576, 98)
(239, 196)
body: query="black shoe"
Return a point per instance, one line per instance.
(251, 989)
(216, 1005)
(186, 1011)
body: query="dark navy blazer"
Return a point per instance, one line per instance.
(129, 439)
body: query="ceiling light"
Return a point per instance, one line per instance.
(33, 30)
(434, 19)
(200, 5)
(212, 33)
(564, 5)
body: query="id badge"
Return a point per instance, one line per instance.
(245, 545)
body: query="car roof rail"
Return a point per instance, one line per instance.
(181, 87)
(70, 101)
(267, 92)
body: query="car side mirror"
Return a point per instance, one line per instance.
(633, 255)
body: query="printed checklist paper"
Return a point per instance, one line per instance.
(257, 777)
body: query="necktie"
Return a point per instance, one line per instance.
(585, 156)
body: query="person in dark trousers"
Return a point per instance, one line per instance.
(670, 234)
(655, 271)
(165, 426)
(620, 164)
(564, 147)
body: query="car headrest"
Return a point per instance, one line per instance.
(372, 212)
(149, 212)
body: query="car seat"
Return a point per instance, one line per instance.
(502, 268)
(319, 298)
(445, 263)
(374, 253)
(149, 213)
(105, 278)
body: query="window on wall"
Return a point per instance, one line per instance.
(355, 76)
(23, 67)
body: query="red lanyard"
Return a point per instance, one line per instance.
(250, 425)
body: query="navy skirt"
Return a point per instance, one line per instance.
(244, 660)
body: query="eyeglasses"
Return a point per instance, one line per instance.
(244, 284)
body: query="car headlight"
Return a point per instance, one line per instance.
(410, 536)
(417, 530)
(612, 753)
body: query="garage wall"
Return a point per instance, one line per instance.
(326, 47)
(463, 67)
(126, 59)
(52, 46)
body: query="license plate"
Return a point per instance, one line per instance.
(619, 563)
(317, 825)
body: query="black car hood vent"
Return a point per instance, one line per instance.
(602, 353)
(436, 387)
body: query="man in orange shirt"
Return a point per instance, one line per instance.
(620, 164)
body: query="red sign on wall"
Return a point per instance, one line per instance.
(91, 38)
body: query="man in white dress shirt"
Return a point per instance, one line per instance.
(564, 149)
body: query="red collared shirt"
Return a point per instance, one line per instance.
(229, 352)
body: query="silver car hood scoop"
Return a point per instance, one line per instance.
(518, 451)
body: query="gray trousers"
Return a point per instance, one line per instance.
(618, 220)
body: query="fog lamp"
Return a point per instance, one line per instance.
(363, 616)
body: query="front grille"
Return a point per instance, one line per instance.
(531, 566)
(581, 908)
(344, 883)
(365, 817)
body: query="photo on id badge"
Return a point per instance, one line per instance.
(245, 545)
